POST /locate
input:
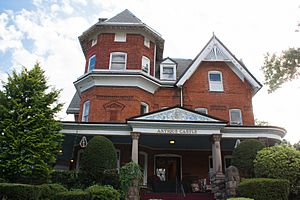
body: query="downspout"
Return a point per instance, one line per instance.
(181, 96)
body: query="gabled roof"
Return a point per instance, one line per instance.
(125, 17)
(74, 105)
(177, 114)
(215, 50)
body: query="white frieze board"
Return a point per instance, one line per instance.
(177, 114)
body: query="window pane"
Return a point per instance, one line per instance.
(92, 63)
(168, 70)
(85, 113)
(215, 77)
(145, 64)
(117, 66)
(118, 58)
(118, 61)
(235, 117)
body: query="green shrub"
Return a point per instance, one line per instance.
(130, 175)
(98, 156)
(2, 180)
(73, 195)
(264, 189)
(48, 191)
(280, 162)
(14, 191)
(69, 179)
(99, 192)
(239, 198)
(111, 177)
(244, 155)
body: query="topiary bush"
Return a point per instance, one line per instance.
(14, 191)
(264, 189)
(98, 156)
(244, 155)
(100, 192)
(281, 162)
(73, 195)
(111, 177)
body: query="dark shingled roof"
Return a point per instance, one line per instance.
(182, 65)
(74, 105)
(125, 17)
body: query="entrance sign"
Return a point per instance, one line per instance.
(177, 131)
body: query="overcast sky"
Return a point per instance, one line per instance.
(47, 31)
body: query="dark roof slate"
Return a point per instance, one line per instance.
(125, 17)
(74, 105)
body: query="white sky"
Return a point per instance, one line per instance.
(48, 31)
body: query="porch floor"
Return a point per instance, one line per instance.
(174, 196)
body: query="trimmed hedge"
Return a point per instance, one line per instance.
(14, 191)
(264, 188)
(239, 198)
(73, 195)
(100, 192)
(48, 191)
(69, 179)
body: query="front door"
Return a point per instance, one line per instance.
(168, 168)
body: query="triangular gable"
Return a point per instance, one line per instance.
(176, 114)
(215, 50)
(124, 17)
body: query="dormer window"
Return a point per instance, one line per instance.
(118, 61)
(235, 116)
(120, 37)
(146, 42)
(215, 81)
(94, 41)
(92, 63)
(168, 70)
(146, 64)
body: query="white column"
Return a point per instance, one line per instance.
(216, 152)
(135, 147)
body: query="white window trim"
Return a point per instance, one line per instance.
(147, 107)
(149, 67)
(110, 59)
(147, 42)
(93, 56)
(210, 83)
(174, 72)
(83, 111)
(202, 109)
(120, 37)
(118, 160)
(145, 175)
(227, 156)
(241, 117)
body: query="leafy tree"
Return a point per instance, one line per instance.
(280, 69)
(279, 161)
(244, 155)
(98, 156)
(30, 138)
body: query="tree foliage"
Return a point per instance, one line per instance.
(244, 155)
(280, 69)
(98, 156)
(30, 138)
(281, 162)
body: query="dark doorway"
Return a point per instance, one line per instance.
(168, 168)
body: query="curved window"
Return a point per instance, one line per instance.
(92, 63)
(118, 61)
(215, 81)
(235, 116)
(85, 111)
(144, 108)
(146, 64)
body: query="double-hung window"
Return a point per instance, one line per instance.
(215, 81)
(118, 61)
(85, 111)
(146, 64)
(235, 116)
(146, 42)
(168, 72)
(92, 63)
